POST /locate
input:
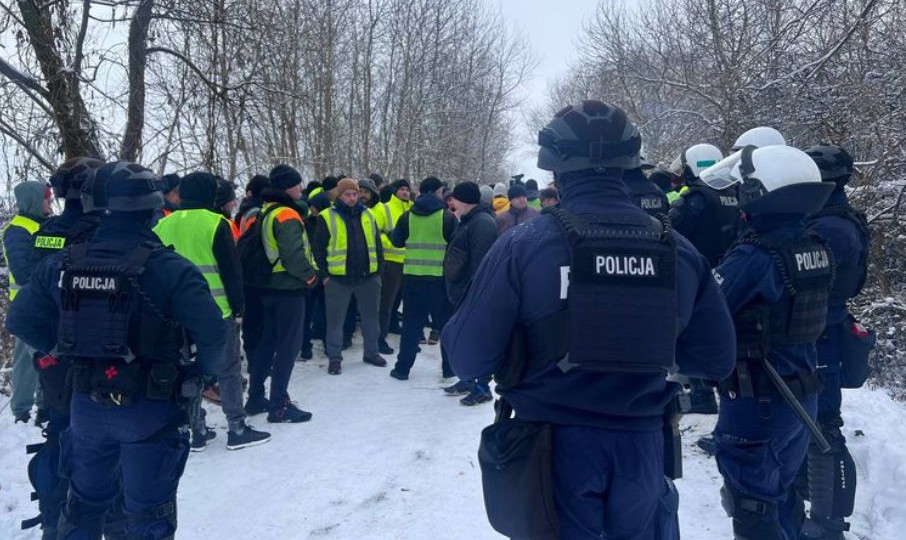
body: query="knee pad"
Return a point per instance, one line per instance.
(157, 523)
(80, 519)
(753, 519)
(832, 482)
(50, 487)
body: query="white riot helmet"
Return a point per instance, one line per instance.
(697, 158)
(779, 180)
(759, 137)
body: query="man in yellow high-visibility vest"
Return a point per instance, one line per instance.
(424, 231)
(387, 215)
(205, 237)
(33, 202)
(348, 251)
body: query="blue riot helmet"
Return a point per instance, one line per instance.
(68, 179)
(588, 136)
(122, 187)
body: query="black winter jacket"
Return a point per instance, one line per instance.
(473, 238)
(357, 267)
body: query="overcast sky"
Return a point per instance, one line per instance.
(552, 28)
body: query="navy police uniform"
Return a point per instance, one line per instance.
(776, 277)
(124, 433)
(608, 454)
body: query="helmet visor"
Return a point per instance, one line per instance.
(720, 175)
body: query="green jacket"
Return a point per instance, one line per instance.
(289, 232)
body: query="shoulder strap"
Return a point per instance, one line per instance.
(577, 228)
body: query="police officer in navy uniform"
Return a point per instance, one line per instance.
(605, 319)
(832, 476)
(776, 281)
(645, 193)
(116, 308)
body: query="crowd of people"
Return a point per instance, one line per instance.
(604, 278)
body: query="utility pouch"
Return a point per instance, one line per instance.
(116, 382)
(163, 382)
(856, 344)
(517, 479)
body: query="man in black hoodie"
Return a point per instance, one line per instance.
(424, 231)
(473, 238)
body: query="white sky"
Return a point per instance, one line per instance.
(552, 29)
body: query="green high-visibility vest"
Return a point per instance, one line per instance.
(191, 233)
(426, 246)
(673, 196)
(387, 214)
(31, 226)
(339, 241)
(270, 239)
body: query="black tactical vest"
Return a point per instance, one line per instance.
(621, 301)
(104, 315)
(648, 197)
(847, 285)
(716, 227)
(800, 315)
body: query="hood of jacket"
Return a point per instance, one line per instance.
(427, 204)
(30, 199)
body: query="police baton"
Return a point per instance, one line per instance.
(794, 404)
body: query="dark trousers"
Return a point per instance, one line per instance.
(611, 483)
(281, 340)
(252, 321)
(391, 282)
(422, 297)
(760, 446)
(134, 447)
(314, 326)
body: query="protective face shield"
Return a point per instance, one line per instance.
(720, 175)
(759, 137)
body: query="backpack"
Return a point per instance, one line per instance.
(256, 267)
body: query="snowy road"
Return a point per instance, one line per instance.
(384, 459)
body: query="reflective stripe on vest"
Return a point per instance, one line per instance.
(338, 247)
(31, 227)
(391, 212)
(426, 246)
(272, 250)
(191, 233)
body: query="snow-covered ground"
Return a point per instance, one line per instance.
(384, 459)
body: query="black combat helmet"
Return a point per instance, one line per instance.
(122, 187)
(68, 179)
(590, 135)
(835, 163)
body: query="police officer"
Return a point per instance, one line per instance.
(832, 476)
(645, 193)
(709, 219)
(776, 281)
(116, 308)
(33, 204)
(595, 361)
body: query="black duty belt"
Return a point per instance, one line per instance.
(749, 380)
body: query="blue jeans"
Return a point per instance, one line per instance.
(24, 379)
(136, 448)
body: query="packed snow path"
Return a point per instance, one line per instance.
(384, 459)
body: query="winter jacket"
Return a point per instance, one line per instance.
(512, 217)
(18, 243)
(357, 261)
(397, 207)
(172, 283)
(471, 241)
(289, 231)
(500, 204)
(248, 203)
(519, 283)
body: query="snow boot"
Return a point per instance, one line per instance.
(384, 347)
(334, 368)
(398, 375)
(306, 354)
(245, 437)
